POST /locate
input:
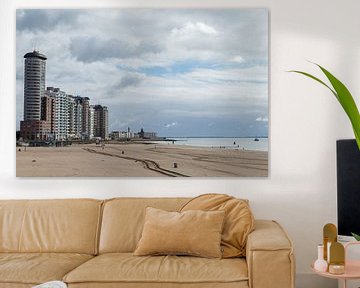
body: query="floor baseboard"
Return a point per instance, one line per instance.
(309, 280)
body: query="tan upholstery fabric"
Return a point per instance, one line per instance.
(242, 284)
(126, 268)
(68, 226)
(270, 258)
(35, 225)
(123, 218)
(239, 220)
(193, 232)
(35, 268)
(15, 285)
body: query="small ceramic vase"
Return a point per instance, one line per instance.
(320, 264)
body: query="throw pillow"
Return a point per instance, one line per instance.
(196, 233)
(239, 220)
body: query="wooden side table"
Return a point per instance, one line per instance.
(352, 268)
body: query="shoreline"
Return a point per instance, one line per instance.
(139, 160)
(175, 145)
(233, 144)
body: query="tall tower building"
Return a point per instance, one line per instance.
(37, 123)
(34, 84)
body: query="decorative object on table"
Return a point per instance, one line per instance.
(320, 264)
(349, 271)
(333, 252)
(329, 237)
(51, 284)
(337, 258)
(336, 269)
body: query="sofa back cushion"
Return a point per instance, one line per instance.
(64, 226)
(238, 224)
(123, 220)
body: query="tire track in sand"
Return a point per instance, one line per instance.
(148, 164)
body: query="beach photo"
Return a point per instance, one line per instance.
(142, 92)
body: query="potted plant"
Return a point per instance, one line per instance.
(357, 237)
(346, 100)
(344, 97)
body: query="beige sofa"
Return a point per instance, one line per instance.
(89, 243)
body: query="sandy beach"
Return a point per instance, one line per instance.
(139, 160)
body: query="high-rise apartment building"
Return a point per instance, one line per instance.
(61, 114)
(85, 118)
(75, 117)
(34, 126)
(48, 114)
(71, 100)
(91, 121)
(101, 122)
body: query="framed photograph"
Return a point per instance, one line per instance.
(142, 92)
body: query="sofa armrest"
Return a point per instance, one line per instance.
(269, 256)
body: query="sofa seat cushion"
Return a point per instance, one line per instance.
(127, 268)
(36, 268)
(242, 284)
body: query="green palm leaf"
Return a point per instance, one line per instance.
(357, 237)
(344, 97)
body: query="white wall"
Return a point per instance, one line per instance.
(305, 121)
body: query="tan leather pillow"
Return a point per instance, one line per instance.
(196, 233)
(239, 220)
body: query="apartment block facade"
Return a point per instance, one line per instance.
(61, 113)
(75, 119)
(101, 122)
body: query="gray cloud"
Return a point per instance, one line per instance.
(91, 49)
(129, 79)
(44, 20)
(19, 75)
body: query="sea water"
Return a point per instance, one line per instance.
(226, 143)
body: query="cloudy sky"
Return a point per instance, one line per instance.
(179, 72)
